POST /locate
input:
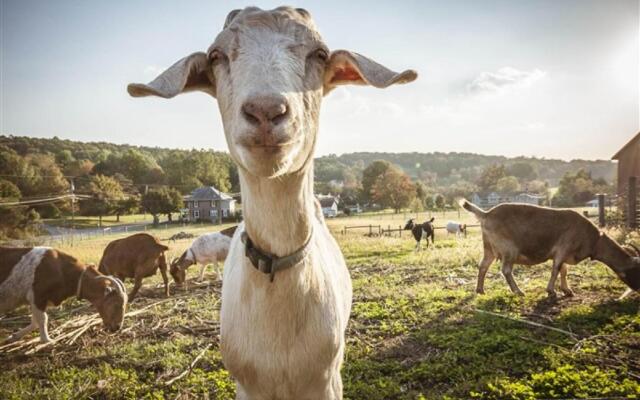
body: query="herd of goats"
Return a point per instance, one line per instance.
(286, 291)
(512, 233)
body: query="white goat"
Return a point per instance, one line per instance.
(456, 228)
(286, 292)
(206, 249)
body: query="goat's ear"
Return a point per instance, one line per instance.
(346, 67)
(192, 73)
(432, 219)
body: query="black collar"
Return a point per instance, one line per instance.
(268, 263)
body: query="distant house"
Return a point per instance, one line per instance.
(628, 162)
(492, 199)
(329, 206)
(209, 204)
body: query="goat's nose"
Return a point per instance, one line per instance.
(265, 110)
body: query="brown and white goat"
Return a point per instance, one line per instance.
(137, 256)
(527, 234)
(280, 338)
(42, 276)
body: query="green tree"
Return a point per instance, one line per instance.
(161, 201)
(393, 189)
(371, 174)
(524, 171)
(578, 188)
(439, 201)
(490, 176)
(106, 195)
(508, 184)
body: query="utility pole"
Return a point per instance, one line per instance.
(72, 187)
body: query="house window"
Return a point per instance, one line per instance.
(213, 213)
(196, 214)
(195, 204)
(213, 203)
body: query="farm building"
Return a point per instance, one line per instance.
(208, 203)
(329, 206)
(629, 172)
(628, 162)
(488, 200)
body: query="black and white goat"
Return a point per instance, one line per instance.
(421, 231)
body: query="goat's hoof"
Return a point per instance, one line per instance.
(519, 293)
(45, 341)
(480, 291)
(568, 292)
(12, 339)
(552, 294)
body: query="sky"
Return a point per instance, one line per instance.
(553, 79)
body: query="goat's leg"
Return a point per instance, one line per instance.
(564, 285)
(486, 262)
(203, 267)
(507, 272)
(28, 329)
(551, 286)
(41, 319)
(165, 278)
(137, 284)
(417, 248)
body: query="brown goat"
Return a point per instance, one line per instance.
(526, 234)
(137, 256)
(43, 277)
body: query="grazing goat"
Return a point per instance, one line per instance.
(634, 251)
(527, 234)
(457, 228)
(207, 249)
(137, 256)
(42, 276)
(286, 292)
(424, 230)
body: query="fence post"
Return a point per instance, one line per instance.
(370, 232)
(601, 220)
(632, 202)
(400, 230)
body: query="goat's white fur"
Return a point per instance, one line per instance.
(282, 339)
(208, 249)
(17, 289)
(454, 227)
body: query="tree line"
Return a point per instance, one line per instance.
(123, 179)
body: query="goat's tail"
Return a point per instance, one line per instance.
(472, 208)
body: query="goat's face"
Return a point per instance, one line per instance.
(409, 225)
(178, 268)
(269, 71)
(113, 303)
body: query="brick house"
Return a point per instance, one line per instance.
(209, 204)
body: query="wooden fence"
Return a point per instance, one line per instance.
(378, 230)
(629, 203)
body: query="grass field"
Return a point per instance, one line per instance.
(417, 331)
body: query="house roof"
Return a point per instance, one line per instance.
(327, 202)
(208, 193)
(629, 144)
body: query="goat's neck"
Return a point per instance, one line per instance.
(612, 254)
(278, 212)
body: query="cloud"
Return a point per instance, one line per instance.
(503, 79)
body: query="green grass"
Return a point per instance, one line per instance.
(414, 333)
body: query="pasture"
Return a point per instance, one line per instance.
(417, 331)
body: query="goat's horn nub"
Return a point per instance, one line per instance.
(637, 250)
(116, 282)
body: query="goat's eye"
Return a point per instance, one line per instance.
(321, 54)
